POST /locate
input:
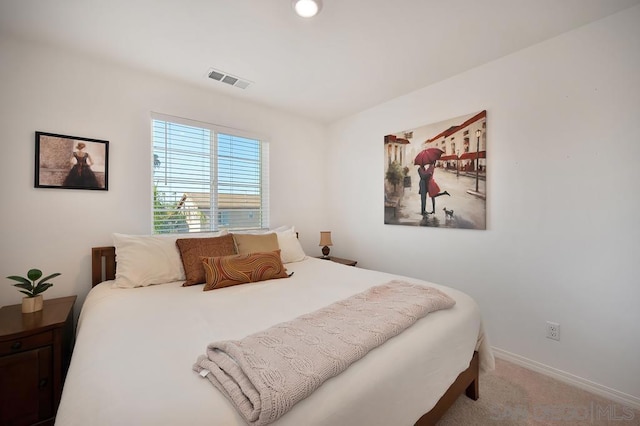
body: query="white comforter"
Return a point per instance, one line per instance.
(135, 349)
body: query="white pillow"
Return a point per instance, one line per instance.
(290, 248)
(143, 260)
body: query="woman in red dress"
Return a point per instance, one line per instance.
(430, 186)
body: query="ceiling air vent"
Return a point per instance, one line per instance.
(229, 79)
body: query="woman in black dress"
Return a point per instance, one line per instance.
(81, 175)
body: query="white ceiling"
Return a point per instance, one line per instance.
(355, 54)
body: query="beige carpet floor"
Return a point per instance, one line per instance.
(513, 395)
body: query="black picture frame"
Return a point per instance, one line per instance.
(71, 162)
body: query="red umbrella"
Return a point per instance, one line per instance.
(427, 156)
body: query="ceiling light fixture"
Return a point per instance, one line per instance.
(306, 8)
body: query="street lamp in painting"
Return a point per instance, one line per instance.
(478, 133)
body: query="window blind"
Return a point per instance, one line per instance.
(207, 178)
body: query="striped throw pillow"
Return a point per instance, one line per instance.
(225, 271)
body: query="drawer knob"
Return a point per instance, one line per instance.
(16, 345)
(43, 383)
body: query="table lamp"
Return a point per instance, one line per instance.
(325, 241)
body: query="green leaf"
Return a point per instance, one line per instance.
(41, 288)
(25, 286)
(21, 279)
(49, 277)
(27, 293)
(34, 274)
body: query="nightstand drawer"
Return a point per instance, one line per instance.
(26, 386)
(26, 343)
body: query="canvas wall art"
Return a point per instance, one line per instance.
(435, 175)
(71, 162)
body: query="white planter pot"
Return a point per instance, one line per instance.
(31, 304)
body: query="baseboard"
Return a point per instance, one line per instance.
(598, 389)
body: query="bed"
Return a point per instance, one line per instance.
(135, 347)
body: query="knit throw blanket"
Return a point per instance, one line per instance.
(266, 373)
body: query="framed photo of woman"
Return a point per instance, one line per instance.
(71, 162)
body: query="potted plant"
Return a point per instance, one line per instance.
(33, 301)
(394, 174)
(407, 179)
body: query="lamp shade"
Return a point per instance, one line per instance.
(325, 238)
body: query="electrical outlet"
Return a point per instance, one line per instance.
(553, 330)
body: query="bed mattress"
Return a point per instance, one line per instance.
(135, 348)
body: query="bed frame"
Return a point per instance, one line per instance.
(103, 267)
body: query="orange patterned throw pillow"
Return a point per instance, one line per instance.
(225, 271)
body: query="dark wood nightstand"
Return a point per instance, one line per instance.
(340, 260)
(35, 351)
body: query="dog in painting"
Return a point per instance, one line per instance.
(448, 214)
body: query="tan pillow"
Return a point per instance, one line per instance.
(256, 243)
(226, 271)
(193, 249)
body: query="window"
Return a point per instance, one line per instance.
(207, 177)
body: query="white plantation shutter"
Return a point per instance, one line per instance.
(207, 177)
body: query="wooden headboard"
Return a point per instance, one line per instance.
(103, 264)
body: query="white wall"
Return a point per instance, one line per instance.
(563, 239)
(45, 89)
